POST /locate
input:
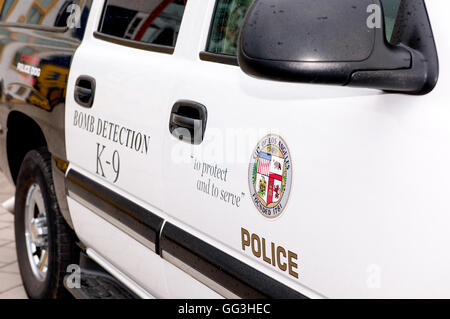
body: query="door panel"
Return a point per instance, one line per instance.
(114, 119)
(367, 210)
(369, 180)
(122, 128)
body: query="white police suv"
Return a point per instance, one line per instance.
(228, 148)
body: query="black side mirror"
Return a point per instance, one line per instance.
(331, 42)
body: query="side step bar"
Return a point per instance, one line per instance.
(96, 283)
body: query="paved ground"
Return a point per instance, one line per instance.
(10, 282)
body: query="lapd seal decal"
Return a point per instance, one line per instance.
(270, 176)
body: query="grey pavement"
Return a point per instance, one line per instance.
(10, 282)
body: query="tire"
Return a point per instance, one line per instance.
(43, 259)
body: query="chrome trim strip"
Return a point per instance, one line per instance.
(130, 232)
(199, 276)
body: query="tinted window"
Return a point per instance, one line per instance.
(37, 12)
(148, 21)
(390, 8)
(226, 26)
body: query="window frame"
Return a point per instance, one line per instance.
(218, 58)
(132, 43)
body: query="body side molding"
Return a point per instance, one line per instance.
(230, 275)
(141, 224)
(216, 269)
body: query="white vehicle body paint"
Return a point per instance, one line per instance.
(368, 209)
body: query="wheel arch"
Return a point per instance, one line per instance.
(24, 134)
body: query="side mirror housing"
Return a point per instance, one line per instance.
(330, 42)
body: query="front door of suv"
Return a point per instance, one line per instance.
(362, 176)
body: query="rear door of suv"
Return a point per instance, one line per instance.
(120, 83)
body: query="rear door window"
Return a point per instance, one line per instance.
(150, 21)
